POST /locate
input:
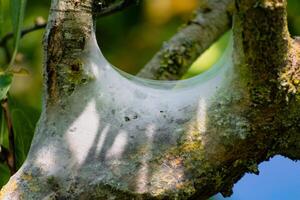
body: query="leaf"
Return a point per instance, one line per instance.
(24, 119)
(4, 132)
(5, 82)
(17, 10)
(4, 174)
(1, 17)
(4, 171)
(3, 129)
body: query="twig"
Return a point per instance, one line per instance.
(116, 7)
(99, 13)
(11, 158)
(8, 36)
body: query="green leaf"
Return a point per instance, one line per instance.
(4, 171)
(1, 17)
(4, 132)
(2, 127)
(4, 174)
(17, 10)
(5, 82)
(24, 119)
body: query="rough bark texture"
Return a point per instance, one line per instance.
(70, 26)
(253, 115)
(211, 21)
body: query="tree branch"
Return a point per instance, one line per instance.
(36, 26)
(249, 118)
(290, 82)
(104, 10)
(39, 24)
(212, 20)
(100, 11)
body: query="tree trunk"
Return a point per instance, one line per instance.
(104, 136)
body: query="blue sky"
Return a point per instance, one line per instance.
(279, 179)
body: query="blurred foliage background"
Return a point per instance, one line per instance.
(128, 40)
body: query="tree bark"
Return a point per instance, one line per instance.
(189, 149)
(172, 61)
